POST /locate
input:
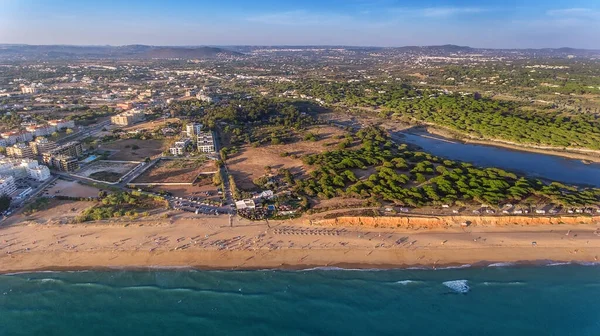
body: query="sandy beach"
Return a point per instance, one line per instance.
(212, 243)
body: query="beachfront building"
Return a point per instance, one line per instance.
(61, 124)
(193, 129)
(179, 147)
(42, 145)
(127, 118)
(7, 185)
(245, 204)
(206, 142)
(20, 151)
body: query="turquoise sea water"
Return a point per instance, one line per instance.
(544, 300)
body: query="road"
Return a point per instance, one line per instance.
(82, 134)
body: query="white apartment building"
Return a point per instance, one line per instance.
(206, 142)
(193, 129)
(62, 124)
(7, 185)
(39, 173)
(20, 168)
(179, 147)
(41, 130)
(13, 137)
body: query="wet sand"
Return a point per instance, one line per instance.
(211, 243)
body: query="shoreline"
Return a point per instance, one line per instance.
(308, 268)
(342, 266)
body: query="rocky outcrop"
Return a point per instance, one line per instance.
(415, 222)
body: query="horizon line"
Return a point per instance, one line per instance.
(290, 45)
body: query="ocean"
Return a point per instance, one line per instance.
(500, 300)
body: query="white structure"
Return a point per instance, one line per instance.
(41, 130)
(7, 185)
(267, 194)
(62, 124)
(193, 129)
(40, 173)
(13, 137)
(245, 204)
(20, 168)
(28, 89)
(206, 142)
(179, 147)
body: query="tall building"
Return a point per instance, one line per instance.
(72, 148)
(20, 151)
(42, 145)
(7, 185)
(179, 147)
(127, 118)
(193, 129)
(206, 142)
(61, 162)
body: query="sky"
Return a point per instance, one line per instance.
(482, 23)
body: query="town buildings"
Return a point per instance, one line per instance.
(21, 168)
(206, 142)
(193, 129)
(41, 130)
(179, 147)
(13, 137)
(28, 89)
(72, 148)
(127, 118)
(61, 124)
(42, 145)
(20, 150)
(61, 162)
(7, 185)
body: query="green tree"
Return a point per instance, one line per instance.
(4, 203)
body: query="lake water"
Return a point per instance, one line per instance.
(531, 164)
(559, 300)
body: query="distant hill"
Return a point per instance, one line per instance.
(66, 52)
(136, 51)
(188, 53)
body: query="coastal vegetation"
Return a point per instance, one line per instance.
(121, 204)
(467, 113)
(412, 178)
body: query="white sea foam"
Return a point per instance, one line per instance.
(455, 267)
(459, 286)
(502, 264)
(406, 282)
(559, 263)
(512, 283)
(332, 268)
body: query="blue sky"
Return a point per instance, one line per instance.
(492, 23)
